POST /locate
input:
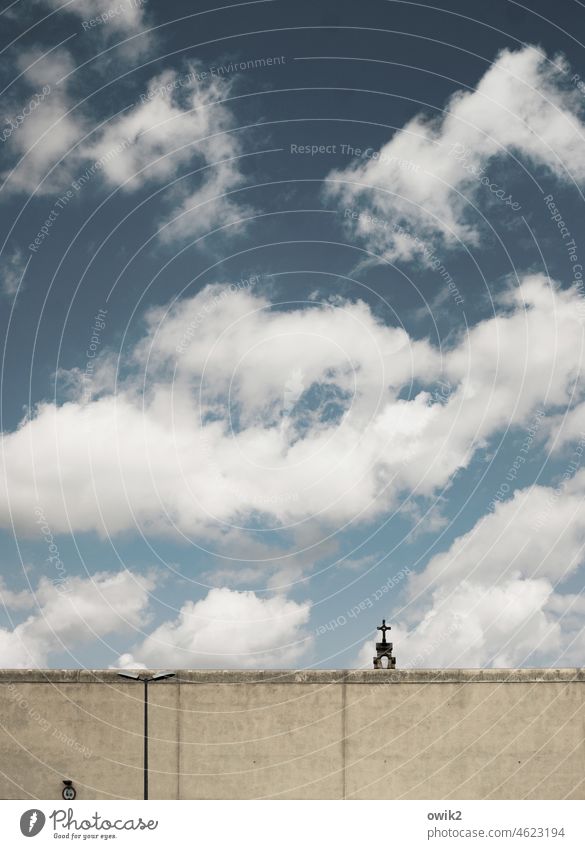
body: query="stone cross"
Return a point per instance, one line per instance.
(384, 649)
(383, 628)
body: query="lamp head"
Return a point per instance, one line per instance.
(158, 676)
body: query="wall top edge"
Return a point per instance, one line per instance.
(301, 676)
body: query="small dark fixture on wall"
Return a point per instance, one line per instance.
(69, 792)
(384, 649)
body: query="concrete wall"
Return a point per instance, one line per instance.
(448, 734)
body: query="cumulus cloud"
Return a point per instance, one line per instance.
(173, 119)
(566, 429)
(180, 118)
(495, 597)
(22, 600)
(428, 176)
(538, 533)
(13, 268)
(42, 124)
(227, 629)
(475, 625)
(181, 122)
(72, 612)
(236, 410)
(108, 21)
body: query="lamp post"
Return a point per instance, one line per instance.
(146, 679)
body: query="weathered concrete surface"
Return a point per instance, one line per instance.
(441, 734)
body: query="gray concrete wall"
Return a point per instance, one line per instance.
(438, 734)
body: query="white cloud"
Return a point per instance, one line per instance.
(494, 598)
(177, 117)
(22, 600)
(538, 533)
(72, 612)
(247, 561)
(109, 20)
(567, 429)
(227, 629)
(13, 268)
(45, 127)
(182, 117)
(181, 120)
(476, 625)
(218, 438)
(523, 107)
(210, 206)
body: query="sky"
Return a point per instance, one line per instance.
(293, 323)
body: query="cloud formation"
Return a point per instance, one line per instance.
(495, 597)
(227, 629)
(107, 22)
(13, 268)
(286, 414)
(45, 133)
(433, 171)
(68, 615)
(179, 126)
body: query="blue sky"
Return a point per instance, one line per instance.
(293, 319)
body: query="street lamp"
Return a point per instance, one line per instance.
(158, 676)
